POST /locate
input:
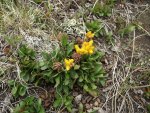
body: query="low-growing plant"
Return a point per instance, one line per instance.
(128, 29)
(95, 26)
(27, 63)
(103, 9)
(98, 28)
(83, 68)
(29, 105)
(71, 63)
(17, 89)
(148, 108)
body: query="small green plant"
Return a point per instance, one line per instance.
(98, 28)
(29, 105)
(28, 64)
(17, 89)
(103, 9)
(38, 1)
(71, 63)
(128, 29)
(95, 26)
(148, 108)
(81, 68)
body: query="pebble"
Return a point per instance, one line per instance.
(96, 103)
(98, 100)
(89, 110)
(78, 98)
(88, 106)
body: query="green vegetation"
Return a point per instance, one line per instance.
(87, 71)
(29, 105)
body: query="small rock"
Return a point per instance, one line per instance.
(78, 98)
(91, 105)
(96, 103)
(88, 106)
(98, 100)
(89, 110)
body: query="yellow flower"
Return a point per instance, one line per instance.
(69, 63)
(89, 34)
(86, 48)
(80, 50)
(91, 42)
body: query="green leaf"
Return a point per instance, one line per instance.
(25, 112)
(86, 78)
(22, 90)
(38, 1)
(64, 40)
(57, 80)
(76, 67)
(80, 78)
(81, 75)
(74, 74)
(94, 26)
(97, 69)
(102, 81)
(57, 102)
(25, 76)
(67, 80)
(48, 73)
(148, 108)
(130, 28)
(26, 52)
(43, 65)
(80, 108)
(93, 86)
(97, 55)
(70, 47)
(92, 92)
(39, 102)
(22, 104)
(127, 30)
(85, 87)
(14, 90)
(41, 110)
(11, 82)
(68, 102)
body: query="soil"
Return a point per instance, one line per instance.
(144, 42)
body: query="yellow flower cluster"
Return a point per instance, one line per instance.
(69, 63)
(86, 48)
(89, 35)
